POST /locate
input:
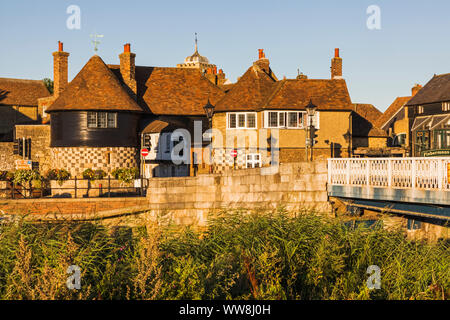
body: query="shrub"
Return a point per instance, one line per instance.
(125, 175)
(59, 175)
(26, 176)
(92, 175)
(6, 176)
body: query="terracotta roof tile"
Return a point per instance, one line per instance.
(173, 91)
(398, 103)
(22, 92)
(368, 111)
(250, 92)
(95, 88)
(436, 90)
(364, 123)
(296, 94)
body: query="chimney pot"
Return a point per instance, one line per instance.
(215, 70)
(261, 54)
(220, 71)
(60, 46)
(127, 48)
(336, 53)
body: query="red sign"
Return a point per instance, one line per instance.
(144, 152)
(234, 153)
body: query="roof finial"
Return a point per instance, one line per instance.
(196, 43)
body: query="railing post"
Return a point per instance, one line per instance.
(329, 171)
(413, 174)
(75, 187)
(389, 173)
(348, 171)
(367, 172)
(440, 175)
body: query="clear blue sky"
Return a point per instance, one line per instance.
(379, 65)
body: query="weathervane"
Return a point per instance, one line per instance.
(96, 42)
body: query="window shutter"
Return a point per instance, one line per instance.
(317, 124)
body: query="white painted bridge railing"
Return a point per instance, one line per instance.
(412, 173)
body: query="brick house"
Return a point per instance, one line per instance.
(429, 118)
(19, 104)
(396, 122)
(368, 139)
(259, 102)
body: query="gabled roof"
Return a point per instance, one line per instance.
(364, 123)
(297, 93)
(436, 90)
(18, 92)
(368, 111)
(393, 109)
(250, 92)
(173, 91)
(95, 88)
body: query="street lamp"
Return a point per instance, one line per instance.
(311, 112)
(209, 110)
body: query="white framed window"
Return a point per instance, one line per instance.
(253, 160)
(288, 119)
(102, 120)
(241, 120)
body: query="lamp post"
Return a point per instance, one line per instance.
(209, 110)
(311, 112)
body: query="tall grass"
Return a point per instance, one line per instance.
(240, 255)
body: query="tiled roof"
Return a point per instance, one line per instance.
(95, 88)
(364, 123)
(173, 91)
(20, 92)
(161, 124)
(392, 110)
(250, 92)
(368, 111)
(436, 90)
(296, 94)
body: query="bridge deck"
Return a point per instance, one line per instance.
(402, 180)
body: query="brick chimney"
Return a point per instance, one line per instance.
(263, 62)
(128, 69)
(416, 89)
(336, 65)
(60, 70)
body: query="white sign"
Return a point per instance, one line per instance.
(24, 165)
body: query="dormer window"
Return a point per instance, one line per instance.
(102, 120)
